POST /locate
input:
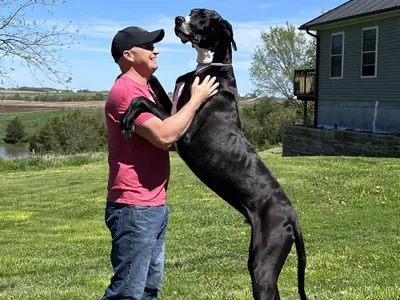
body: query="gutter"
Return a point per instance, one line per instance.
(316, 77)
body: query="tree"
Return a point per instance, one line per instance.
(36, 43)
(284, 49)
(78, 132)
(15, 132)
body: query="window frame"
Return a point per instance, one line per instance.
(376, 51)
(342, 55)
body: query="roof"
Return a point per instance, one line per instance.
(353, 9)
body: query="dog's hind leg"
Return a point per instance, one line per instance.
(269, 249)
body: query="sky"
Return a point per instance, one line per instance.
(93, 68)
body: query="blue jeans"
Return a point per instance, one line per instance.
(137, 250)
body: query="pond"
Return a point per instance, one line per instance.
(14, 151)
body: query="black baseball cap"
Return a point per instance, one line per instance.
(132, 36)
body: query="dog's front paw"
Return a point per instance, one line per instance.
(127, 133)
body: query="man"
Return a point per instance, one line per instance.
(136, 211)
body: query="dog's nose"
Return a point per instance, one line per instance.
(179, 21)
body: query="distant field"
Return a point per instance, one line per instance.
(12, 106)
(52, 96)
(29, 96)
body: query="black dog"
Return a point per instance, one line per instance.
(216, 150)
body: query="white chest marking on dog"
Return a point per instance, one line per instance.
(204, 56)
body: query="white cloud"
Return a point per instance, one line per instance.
(173, 50)
(106, 29)
(107, 50)
(97, 29)
(246, 34)
(92, 49)
(242, 65)
(265, 5)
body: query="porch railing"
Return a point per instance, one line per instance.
(304, 84)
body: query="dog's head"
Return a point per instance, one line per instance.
(207, 31)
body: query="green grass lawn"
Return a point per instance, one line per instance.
(54, 244)
(32, 121)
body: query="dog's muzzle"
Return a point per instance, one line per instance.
(182, 29)
(179, 21)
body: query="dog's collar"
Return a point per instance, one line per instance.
(201, 67)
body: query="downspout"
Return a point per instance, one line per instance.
(316, 77)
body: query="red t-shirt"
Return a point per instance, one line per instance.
(138, 170)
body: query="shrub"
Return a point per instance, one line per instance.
(98, 97)
(17, 97)
(15, 132)
(77, 97)
(46, 98)
(78, 132)
(262, 121)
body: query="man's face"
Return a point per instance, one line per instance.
(144, 57)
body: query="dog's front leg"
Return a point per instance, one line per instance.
(137, 106)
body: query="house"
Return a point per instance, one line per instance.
(358, 58)
(356, 83)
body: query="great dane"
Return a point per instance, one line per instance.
(216, 150)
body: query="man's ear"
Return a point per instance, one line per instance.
(227, 28)
(128, 56)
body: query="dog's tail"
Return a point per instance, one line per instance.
(301, 256)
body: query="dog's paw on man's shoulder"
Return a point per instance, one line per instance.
(127, 133)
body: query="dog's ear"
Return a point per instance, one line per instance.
(227, 28)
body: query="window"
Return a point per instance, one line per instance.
(337, 51)
(369, 52)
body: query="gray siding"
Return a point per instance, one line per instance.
(366, 104)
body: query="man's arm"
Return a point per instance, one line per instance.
(164, 133)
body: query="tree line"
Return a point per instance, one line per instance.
(83, 131)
